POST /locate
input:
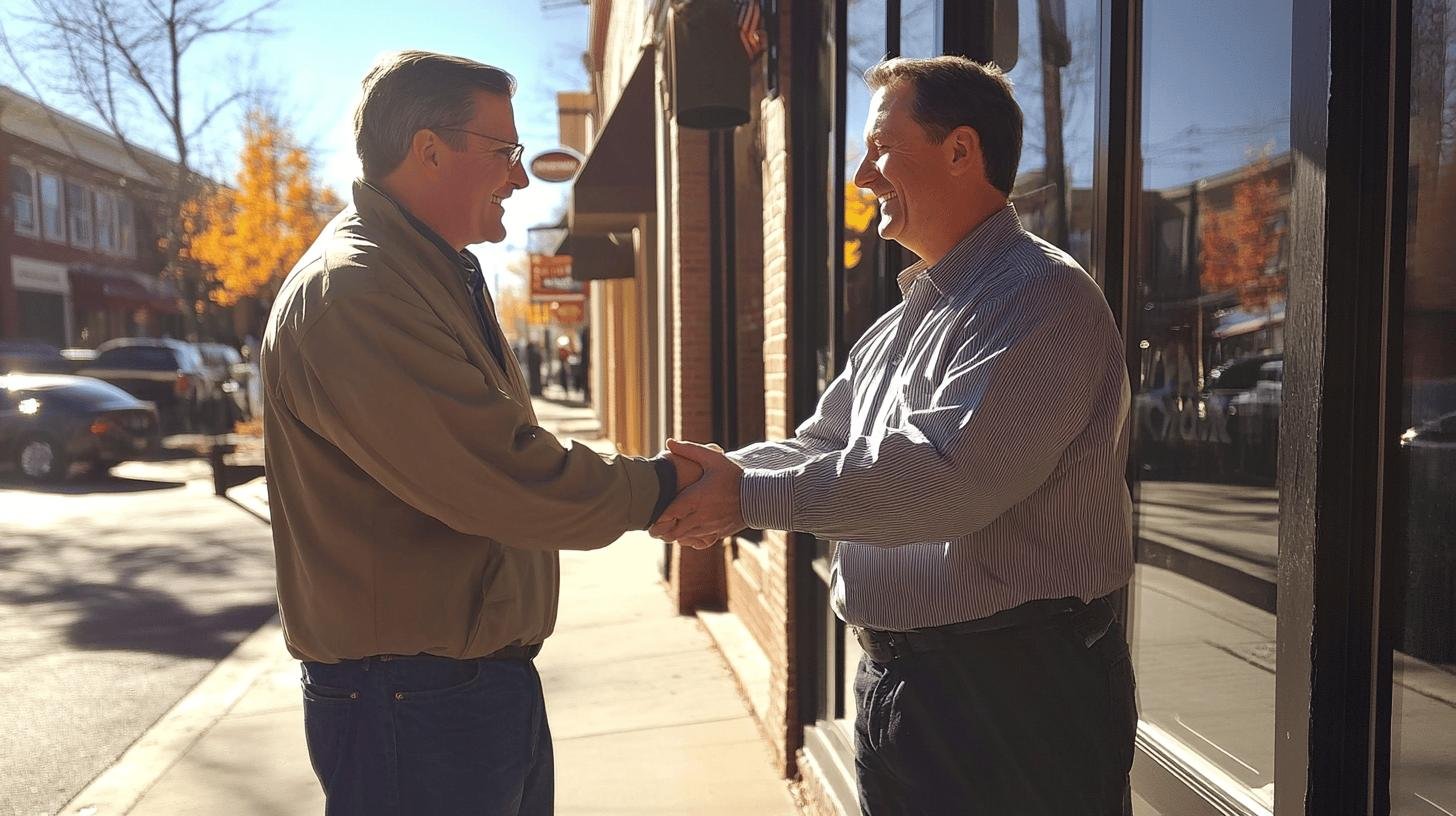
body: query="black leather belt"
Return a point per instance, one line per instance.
(1090, 621)
(512, 652)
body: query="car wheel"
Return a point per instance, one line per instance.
(41, 459)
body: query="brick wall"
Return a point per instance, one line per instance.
(697, 579)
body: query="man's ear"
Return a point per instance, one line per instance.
(964, 146)
(425, 148)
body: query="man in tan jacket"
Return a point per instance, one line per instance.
(417, 507)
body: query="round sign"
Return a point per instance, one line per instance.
(560, 164)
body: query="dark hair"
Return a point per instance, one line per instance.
(955, 91)
(410, 91)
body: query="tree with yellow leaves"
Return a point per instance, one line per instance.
(251, 234)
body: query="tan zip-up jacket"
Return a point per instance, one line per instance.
(416, 506)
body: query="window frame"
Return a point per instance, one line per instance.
(35, 215)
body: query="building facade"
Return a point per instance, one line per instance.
(79, 261)
(1264, 191)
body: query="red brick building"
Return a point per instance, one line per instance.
(78, 255)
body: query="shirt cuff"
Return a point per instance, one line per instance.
(768, 499)
(667, 487)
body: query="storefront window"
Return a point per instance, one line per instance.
(1423, 715)
(862, 298)
(920, 24)
(1209, 294)
(1055, 80)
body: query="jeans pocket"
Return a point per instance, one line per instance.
(328, 726)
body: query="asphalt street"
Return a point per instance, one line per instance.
(118, 593)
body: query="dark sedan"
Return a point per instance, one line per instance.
(49, 422)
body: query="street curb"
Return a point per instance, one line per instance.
(122, 785)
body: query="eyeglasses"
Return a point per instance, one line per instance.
(517, 149)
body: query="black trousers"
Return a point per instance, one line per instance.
(1029, 721)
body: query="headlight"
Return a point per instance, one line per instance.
(28, 406)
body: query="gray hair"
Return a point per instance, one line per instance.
(954, 91)
(409, 91)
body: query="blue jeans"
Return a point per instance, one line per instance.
(423, 734)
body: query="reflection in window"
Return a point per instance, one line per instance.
(920, 25)
(1423, 717)
(862, 298)
(1209, 294)
(1055, 80)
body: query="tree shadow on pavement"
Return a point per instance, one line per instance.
(185, 593)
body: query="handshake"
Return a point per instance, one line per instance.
(707, 506)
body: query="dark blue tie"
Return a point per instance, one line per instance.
(476, 280)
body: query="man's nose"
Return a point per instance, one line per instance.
(866, 174)
(518, 177)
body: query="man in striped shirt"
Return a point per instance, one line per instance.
(969, 464)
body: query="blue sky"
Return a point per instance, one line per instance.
(319, 51)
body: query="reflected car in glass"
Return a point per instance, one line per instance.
(32, 357)
(50, 422)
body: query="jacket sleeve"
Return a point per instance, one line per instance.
(388, 384)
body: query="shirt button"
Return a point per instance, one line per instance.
(399, 695)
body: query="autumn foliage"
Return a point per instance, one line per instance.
(250, 235)
(1241, 243)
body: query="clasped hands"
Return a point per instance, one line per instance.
(707, 506)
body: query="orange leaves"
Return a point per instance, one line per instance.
(251, 234)
(1240, 244)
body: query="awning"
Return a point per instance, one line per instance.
(103, 288)
(618, 182)
(600, 257)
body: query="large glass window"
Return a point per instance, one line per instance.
(52, 213)
(920, 27)
(1209, 295)
(862, 288)
(1055, 80)
(1423, 716)
(23, 199)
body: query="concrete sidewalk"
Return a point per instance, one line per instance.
(645, 716)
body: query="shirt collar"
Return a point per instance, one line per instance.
(464, 258)
(968, 258)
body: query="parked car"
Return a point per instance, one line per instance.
(48, 422)
(32, 357)
(167, 373)
(227, 367)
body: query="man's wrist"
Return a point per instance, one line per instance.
(667, 486)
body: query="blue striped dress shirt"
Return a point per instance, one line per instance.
(971, 455)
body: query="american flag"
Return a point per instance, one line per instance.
(750, 27)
